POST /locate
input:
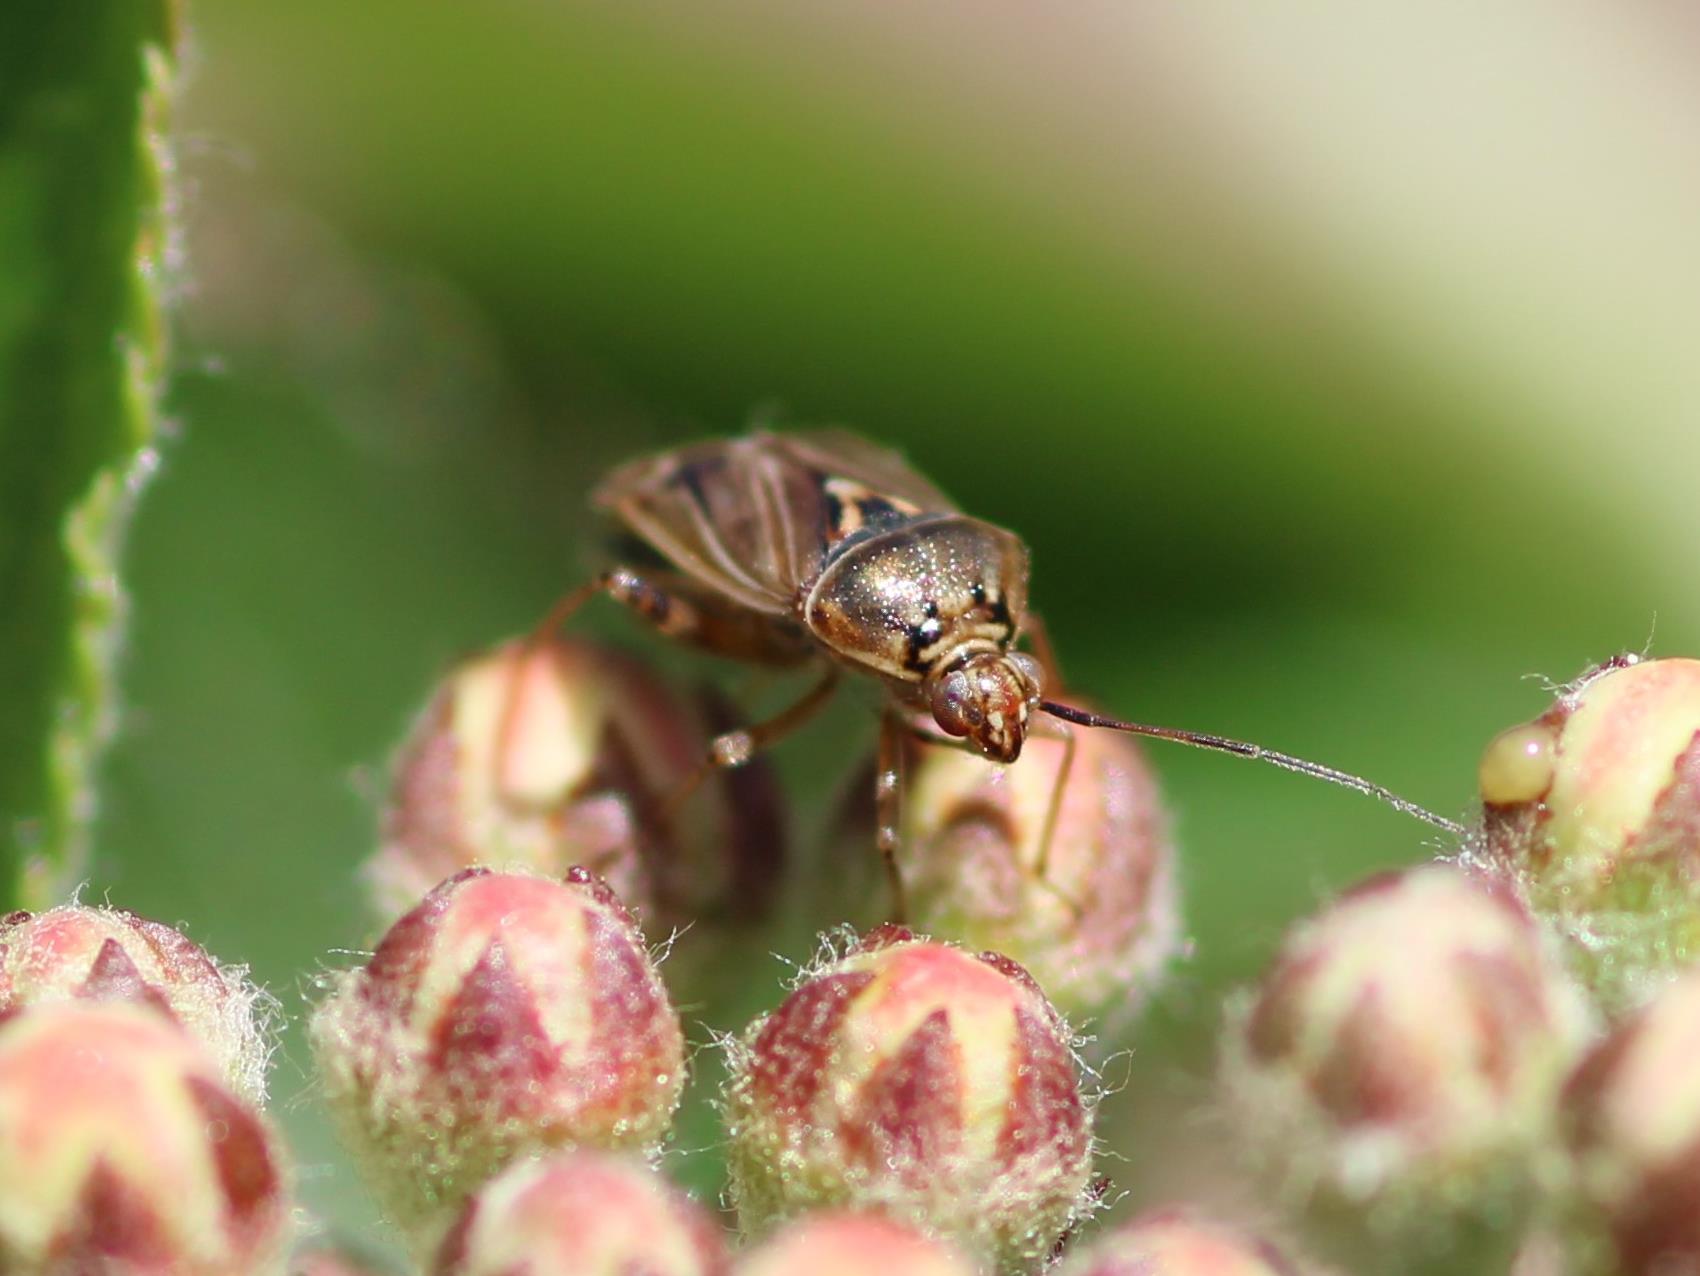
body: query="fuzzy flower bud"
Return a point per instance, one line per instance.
(1594, 810)
(504, 1015)
(1404, 1054)
(1177, 1243)
(1097, 928)
(110, 954)
(919, 1081)
(539, 755)
(1633, 1110)
(851, 1245)
(123, 1152)
(587, 1213)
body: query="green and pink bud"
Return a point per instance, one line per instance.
(124, 1151)
(919, 1081)
(505, 1015)
(1403, 1056)
(1593, 809)
(587, 1213)
(1633, 1115)
(1093, 914)
(543, 754)
(1176, 1242)
(76, 952)
(840, 1244)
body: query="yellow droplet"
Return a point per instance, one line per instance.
(1517, 766)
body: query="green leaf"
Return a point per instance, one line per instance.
(84, 248)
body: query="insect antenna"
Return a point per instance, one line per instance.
(1222, 744)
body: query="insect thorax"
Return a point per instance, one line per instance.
(924, 591)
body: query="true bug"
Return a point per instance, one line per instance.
(819, 547)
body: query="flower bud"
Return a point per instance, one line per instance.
(1594, 810)
(123, 1152)
(851, 1245)
(1177, 1243)
(919, 1081)
(1404, 1054)
(542, 754)
(1633, 1111)
(587, 1213)
(1097, 928)
(110, 954)
(504, 1015)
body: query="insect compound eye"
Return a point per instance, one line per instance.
(955, 706)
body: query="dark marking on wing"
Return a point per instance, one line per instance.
(855, 513)
(758, 518)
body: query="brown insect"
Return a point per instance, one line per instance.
(821, 548)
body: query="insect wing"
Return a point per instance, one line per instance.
(844, 455)
(753, 518)
(736, 515)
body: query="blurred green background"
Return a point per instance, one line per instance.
(1338, 368)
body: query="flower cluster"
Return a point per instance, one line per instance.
(1474, 1064)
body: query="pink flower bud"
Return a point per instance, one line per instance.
(123, 1152)
(540, 755)
(1404, 1053)
(587, 1213)
(851, 1245)
(506, 1014)
(1177, 1243)
(1594, 810)
(1097, 930)
(109, 954)
(1634, 1117)
(917, 1080)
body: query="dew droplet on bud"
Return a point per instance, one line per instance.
(1607, 845)
(1518, 764)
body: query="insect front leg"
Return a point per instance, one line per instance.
(1039, 870)
(734, 748)
(1053, 810)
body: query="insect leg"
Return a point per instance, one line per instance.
(734, 748)
(564, 607)
(916, 730)
(662, 607)
(888, 805)
(1054, 807)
